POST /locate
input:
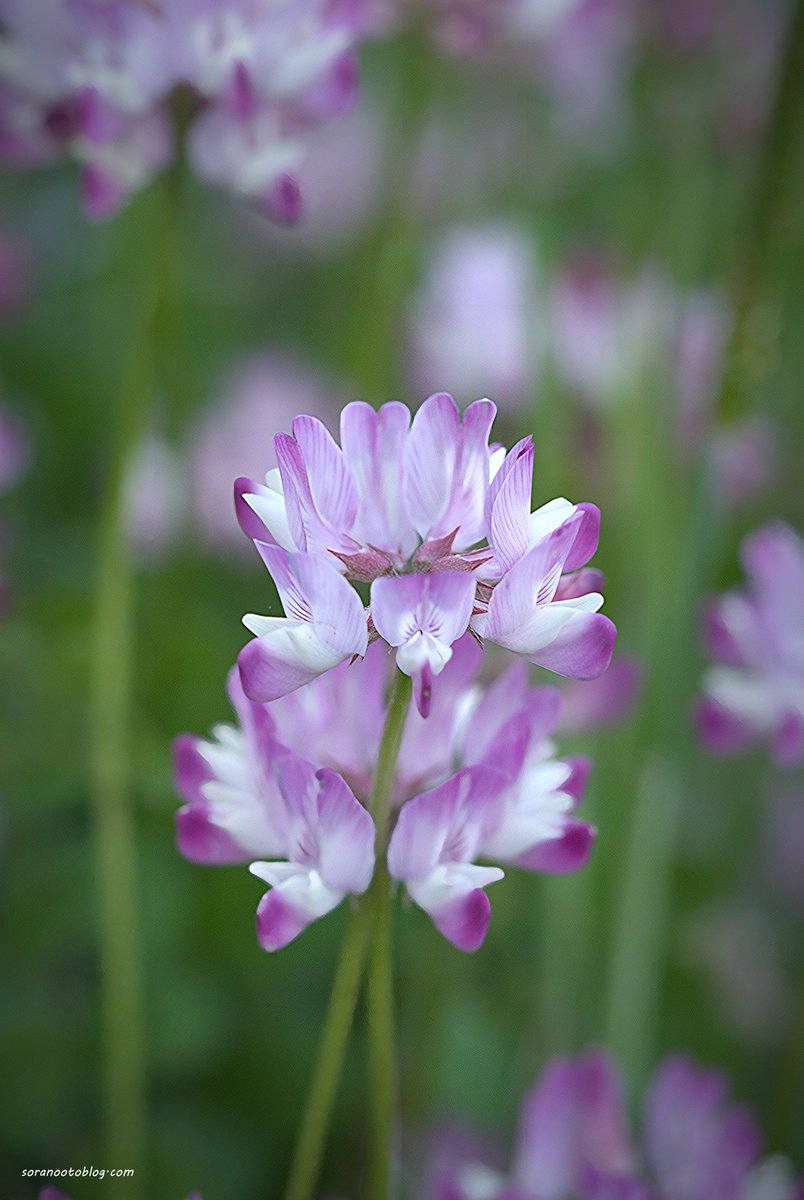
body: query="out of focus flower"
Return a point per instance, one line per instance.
(577, 50)
(596, 703)
(96, 79)
(755, 635)
(478, 780)
(235, 435)
(474, 319)
(154, 498)
(439, 524)
(574, 1143)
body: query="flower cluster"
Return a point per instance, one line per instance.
(286, 791)
(104, 80)
(755, 688)
(574, 1143)
(439, 525)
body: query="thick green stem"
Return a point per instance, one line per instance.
(110, 751)
(368, 921)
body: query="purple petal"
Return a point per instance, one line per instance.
(561, 855)
(523, 447)
(190, 768)
(200, 840)
(279, 920)
(283, 201)
(720, 730)
(373, 446)
(586, 539)
(429, 465)
(464, 921)
(718, 633)
(332, 488)
(697, 1144)
(101, 196)
(575, 786)
(345, 837)
(530, 583)
(579, 583)
(247, 519)
(269, 670)
(470, 485)
(509, 522)
(582, 648)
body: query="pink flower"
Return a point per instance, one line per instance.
(249, 799)
(478, 780)
(440, 525)
(574, 1142)
(95, 81)
(473, 319)
(754, 691)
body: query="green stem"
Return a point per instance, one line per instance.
(110, 752)
(321, 1093)
(381, 1039)
(364, 923)
(745, 357)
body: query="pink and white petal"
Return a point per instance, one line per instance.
(345, 837)
(575, 785)
(551, 516)
(420, 833)
(200, 840)
(582, 648)
(467, 502)
(509, 521)
(190, 768)
(561, 855)
(579, 583)
(336, 607)
(373, 446)
(285, 659)
(587, 538)
(262, 513)
(504, 466)
(332, 488)
(431, 454)
(453, 898)
(529, 585)
(290, 906)
(295, 487)
(252, 525)
(721, 731)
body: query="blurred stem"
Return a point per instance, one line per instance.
(369, 921)
(110, 749)
(745, 357)
(381, 1039)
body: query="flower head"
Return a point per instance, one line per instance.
(439, 524)
(755, 688)
(287, 789)
(95, 80)
(574, 1142)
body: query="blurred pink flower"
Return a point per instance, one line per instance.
(607, 700)
(478, 778)
(754, 691)
(574, 1142)
(95, 81)
(262, 393)
(474, 320)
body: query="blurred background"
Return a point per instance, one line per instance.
(598, 225)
